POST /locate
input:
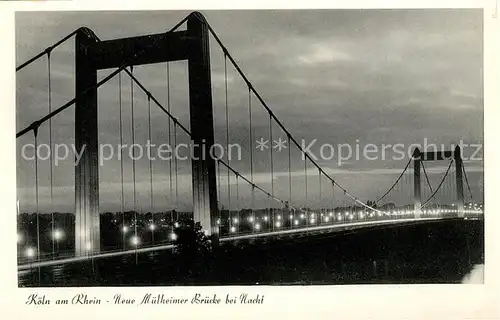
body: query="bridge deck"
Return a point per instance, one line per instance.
(290, 232)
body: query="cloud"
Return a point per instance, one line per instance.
(323, 53)
(382, 76)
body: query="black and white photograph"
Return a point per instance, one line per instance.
(249, 148)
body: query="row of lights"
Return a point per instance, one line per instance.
(30, 252)
(135, 240)
(151, 227)
(351, 216)
(56, 235)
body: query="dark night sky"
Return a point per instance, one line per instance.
(339, 76)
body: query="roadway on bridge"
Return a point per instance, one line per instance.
(331, 228)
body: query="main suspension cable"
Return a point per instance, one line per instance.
(395, 182)
(123, 67)
(426, 176)
(439, 186)
(467, 182)
(263, 103)
(47, 50)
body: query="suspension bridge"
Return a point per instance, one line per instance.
(230, 199)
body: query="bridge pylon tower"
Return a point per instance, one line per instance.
(92, 55)
(419, 157)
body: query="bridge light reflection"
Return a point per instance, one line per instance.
(173, 236)
(124, 229)
(176, 224)
(233, 229)
(257, 226)
(30, 252)
(278, 224)
(327, 219)
(57, 235)
(88, 246)
(135, 240)
(152, 227)
(296, 222)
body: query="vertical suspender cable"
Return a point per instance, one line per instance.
(253, 208)
(176, 174)
(272, 168)
(151, 191)
(35, 132)
(169, 142)
(333, 202)
(227, 142)
(271, 212)
(397, 193)
(409, 181)
(468, 186)
(427, 179)
(237, 222)
(122, 202)
(320, 198)
(305, 175)
(53, 228)
(251, 155)
(454, 184)
(133, 162)
(291, 216)
(218, 194)
(405, 189)
(345, 206)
